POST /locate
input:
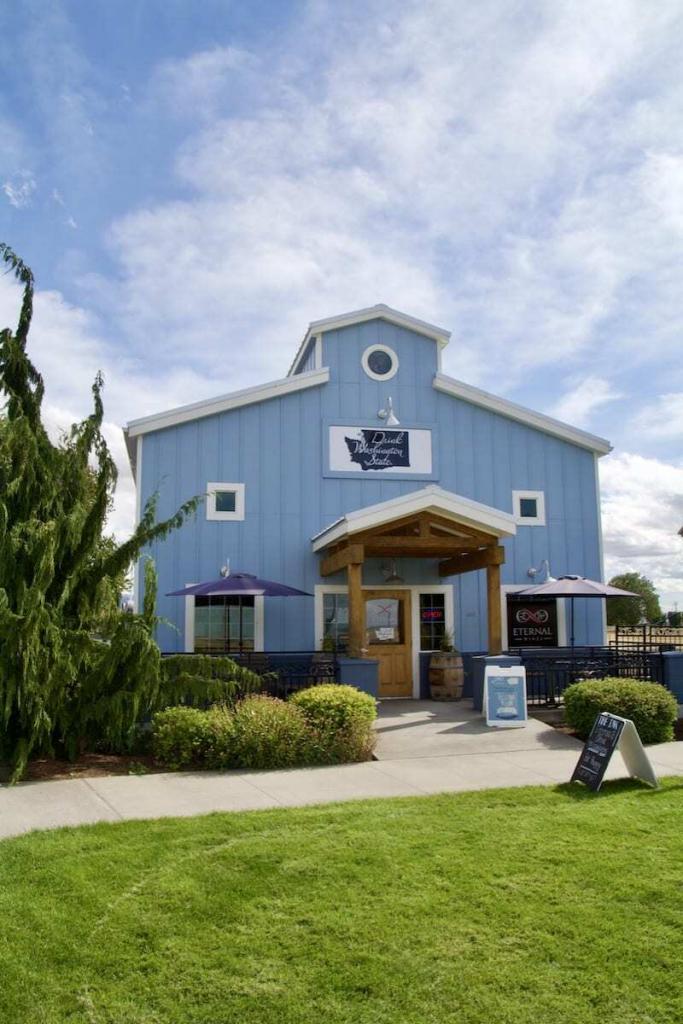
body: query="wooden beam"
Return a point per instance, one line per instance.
(493, 599)
(396, 524)
(415, 547)
(455, 529)
(461, 530)
(354, 574)
(349, 555)
(493, 555)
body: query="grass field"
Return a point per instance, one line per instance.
(538, 905)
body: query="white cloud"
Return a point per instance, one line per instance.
(66, 345)
(662, 418)
(585, 396)
(511, 172)
(642, 503)
(196, 85)
(499, 176)
(20, 191)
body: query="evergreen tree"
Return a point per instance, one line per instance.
(73, 668)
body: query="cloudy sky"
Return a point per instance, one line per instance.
(192, 183)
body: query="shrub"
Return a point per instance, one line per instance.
(651, 707)
(220, 745)
(269, 733)
(340, 718)
(324, 725)
(198, 680)
(181, 737)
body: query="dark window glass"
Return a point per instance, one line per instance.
(380, 363)
(226, 501)
(528, 508)
(432, 621)
(336, 619)
(223, 625)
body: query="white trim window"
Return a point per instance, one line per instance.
(224, 630)
(224, 502)
(380, 362)
(528, 508)
(331, 615)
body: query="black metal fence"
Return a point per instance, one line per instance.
(645, 638)
(285, 672)
(549, 673)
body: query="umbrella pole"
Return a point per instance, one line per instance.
(572, 621)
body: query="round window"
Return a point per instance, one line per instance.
(380, 362)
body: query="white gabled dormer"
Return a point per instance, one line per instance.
(310, 353)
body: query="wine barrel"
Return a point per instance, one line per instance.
(446, 676)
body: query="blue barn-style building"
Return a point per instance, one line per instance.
(405, 502)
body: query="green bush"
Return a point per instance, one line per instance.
(324, 725)
(220, 742)
(650, 706)
(181, 737)
(270, 733)
(198, 680)
(340, 718)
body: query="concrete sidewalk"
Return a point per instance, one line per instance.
(461, 754)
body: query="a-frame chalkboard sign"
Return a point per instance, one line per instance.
(609, 733)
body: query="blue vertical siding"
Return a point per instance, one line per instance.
(308, 358)
(276, 449)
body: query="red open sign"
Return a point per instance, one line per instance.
(432, 614)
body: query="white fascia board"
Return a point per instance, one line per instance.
(432, 498)
(513, 411)
(132, 449)
(359, 316)
(224, 403)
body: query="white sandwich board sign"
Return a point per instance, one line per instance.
(505, 696)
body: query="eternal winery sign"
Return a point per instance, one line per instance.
(532, 623)
(379, 450)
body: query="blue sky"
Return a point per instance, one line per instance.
(192, 183)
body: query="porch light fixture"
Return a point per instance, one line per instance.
(391, 574)
(388, 414)
(543, 567)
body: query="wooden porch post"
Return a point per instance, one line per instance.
(354, 573)
(493, 602)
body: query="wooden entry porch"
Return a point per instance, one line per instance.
(457, 546)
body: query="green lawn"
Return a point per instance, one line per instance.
(538, 905)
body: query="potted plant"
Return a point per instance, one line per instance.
(446, 674)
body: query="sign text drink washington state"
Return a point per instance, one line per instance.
(370, 450)
(380, 449)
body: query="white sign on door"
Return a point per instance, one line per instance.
(378, 450)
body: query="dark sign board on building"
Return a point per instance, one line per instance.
(532, 623)
(609, 733)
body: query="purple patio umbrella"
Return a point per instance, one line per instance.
(244, 583)
(238, 584)
(574, 586)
